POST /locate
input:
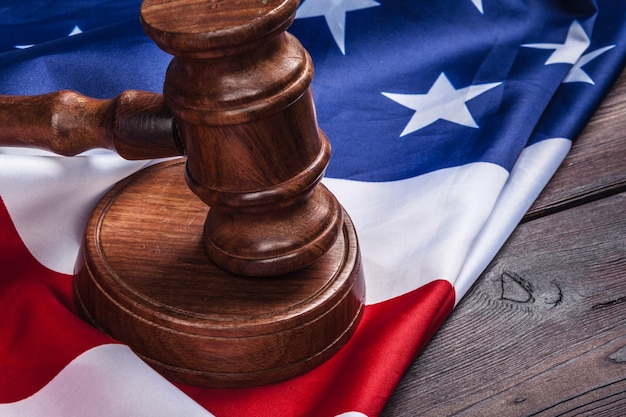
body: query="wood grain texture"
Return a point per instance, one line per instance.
(211, 28)
(239, 86)
(177, 288)
(542, 332)
(135, 124)
(145, 279)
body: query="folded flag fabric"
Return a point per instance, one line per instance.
(446, 119)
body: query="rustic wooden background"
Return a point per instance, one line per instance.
(543, 330)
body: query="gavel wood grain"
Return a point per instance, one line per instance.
(145, 279)
(135, 124)
(270, 284)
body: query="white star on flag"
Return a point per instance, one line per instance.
(75, 31)
(334, 11)
(442, 101)
(577, 74)
(479, 5)
(569, 52)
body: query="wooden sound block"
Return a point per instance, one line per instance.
(144, 278)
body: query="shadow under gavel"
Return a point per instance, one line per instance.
(269, 284)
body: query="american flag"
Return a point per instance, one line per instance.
(446, 119)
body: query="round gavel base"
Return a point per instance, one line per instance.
(143, 278)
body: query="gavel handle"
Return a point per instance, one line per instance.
(135, 124)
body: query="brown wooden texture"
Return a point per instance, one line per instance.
(135, 124)
(146, 280)
(543, 330)
(154, 274)
(239, 86)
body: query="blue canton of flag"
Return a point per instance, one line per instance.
(446, 119)
(404, 88)
(26, 24)
(95, 47)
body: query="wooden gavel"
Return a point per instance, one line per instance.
(237, 103)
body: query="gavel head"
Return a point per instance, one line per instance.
(239, 88)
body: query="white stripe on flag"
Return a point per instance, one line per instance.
(49, 198)
(106, 381)
(411, 231)
(420, 229)
(532, 171)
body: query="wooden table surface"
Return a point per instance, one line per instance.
(543, 330)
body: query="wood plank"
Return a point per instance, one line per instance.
(595, 166)
(543, 330)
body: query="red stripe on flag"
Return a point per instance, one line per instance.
(361, 377)
(39, 330)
